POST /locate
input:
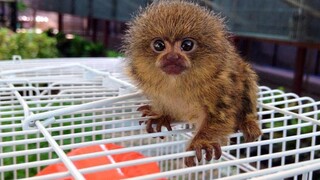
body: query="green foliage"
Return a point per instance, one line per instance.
(22, 6)
(282, 88)
(79, 47)
(49, 45)
(76, 46)
(6, 44)
(28, 45)
(111, 53)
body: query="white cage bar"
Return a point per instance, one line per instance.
(49, 108)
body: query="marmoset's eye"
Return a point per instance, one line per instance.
(158, 45)
(187, 45)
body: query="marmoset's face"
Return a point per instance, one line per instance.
(172, 56)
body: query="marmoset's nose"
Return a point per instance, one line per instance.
(172, 56)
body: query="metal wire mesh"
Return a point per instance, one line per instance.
(49, 108)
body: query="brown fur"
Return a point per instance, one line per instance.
(218, 90)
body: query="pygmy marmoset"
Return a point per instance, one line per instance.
(179, 54)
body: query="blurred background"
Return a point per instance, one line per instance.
(281, 38)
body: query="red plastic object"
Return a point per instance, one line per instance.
(113, 174)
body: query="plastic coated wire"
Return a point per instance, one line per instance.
(64, 158)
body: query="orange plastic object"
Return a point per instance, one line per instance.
(113, 174)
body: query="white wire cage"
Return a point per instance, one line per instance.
(50, 109)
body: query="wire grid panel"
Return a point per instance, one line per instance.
(48, 112)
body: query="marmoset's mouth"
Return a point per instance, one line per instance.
(173, 68)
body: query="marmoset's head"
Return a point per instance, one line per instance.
(172, 38)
